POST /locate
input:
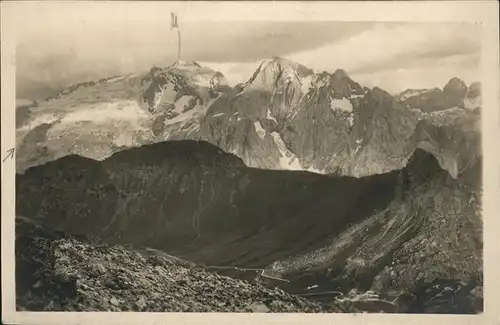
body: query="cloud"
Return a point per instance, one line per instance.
(49, 58)
(77, 48)
(390, 45)
(393, 56)
(235, 72)
(252, 41)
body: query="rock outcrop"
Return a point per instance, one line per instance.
(59, 272)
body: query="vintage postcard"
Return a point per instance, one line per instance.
(240, 162)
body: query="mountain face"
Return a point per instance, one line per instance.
(454, 94)
(95, 119)
(194, 201)
(427, 224)
(284, 81)
(452, 136)
(285, 117)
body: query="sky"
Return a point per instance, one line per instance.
(62, 46)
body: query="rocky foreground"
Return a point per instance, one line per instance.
(59, 272)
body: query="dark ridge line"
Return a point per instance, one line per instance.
(196, 145)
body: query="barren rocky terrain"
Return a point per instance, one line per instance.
(61, 272)
(389, 234)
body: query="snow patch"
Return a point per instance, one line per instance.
(183, 117)
(472, 103)
(103, 113)
(321, 80)
(191, 128)
(202, 80)
(124, 139)
(218, 114)
(260, 130)
(270, 117)
(343, 104)
(358, 145)
(182, 103)
(287, 159)
(452, 111)
(41, 119)
(315, 170)
(306, 84)
(351, 120)
(234, 152)
(412, 92)
(294, 114)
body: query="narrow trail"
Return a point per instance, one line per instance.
(243, 269)
(323, 293)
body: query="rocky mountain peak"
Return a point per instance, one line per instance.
(320, 80)
(338, 85)
(474, 90)
(378, 96)
(277, 72)
(181, 87)
(454, 94)
(288, 64)
(340, 74)
(456, 87)
(455, 83)
(343, 86)
(455, 91)
(185, 64)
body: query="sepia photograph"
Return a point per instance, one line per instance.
(166, 162)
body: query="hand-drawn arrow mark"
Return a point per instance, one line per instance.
(10, 154)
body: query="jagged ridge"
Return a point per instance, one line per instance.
(284, 117)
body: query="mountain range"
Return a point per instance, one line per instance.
(284, 117)
(188, 198)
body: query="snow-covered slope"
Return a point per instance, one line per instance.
(95, 119)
